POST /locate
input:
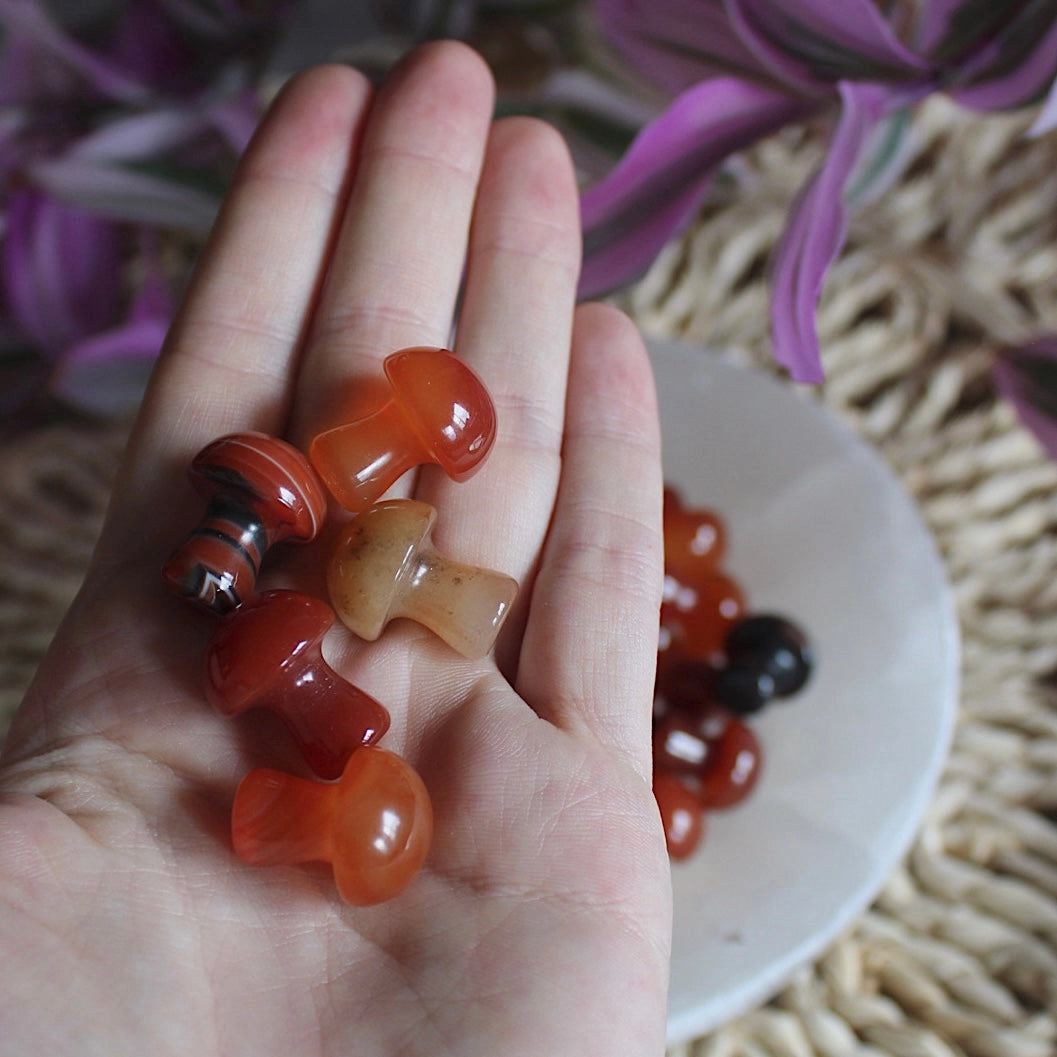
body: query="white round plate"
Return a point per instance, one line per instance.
(821, 530)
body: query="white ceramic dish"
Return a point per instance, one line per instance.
(821, 530)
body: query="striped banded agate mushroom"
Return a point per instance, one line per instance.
(260, 491)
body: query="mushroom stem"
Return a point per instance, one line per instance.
(327, 716)
(217, 566)
(280, 818)
(358, 461)
(268, 654)
(259, 491)
(463, 604)
(374, 825)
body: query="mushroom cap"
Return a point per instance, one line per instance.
(446, 404)
(383, 827)
(253, 647)
(271, 474)
(371, 558)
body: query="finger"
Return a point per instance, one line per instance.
(398, 262)
(589, 653)
(229, 358)
(515, 330)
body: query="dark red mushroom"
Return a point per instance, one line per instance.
(267, 654)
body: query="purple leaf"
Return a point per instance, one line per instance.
(29, 75)
(814, 43)
(124, 194)
(150, 134)
(140, 135)
(1046, 120)
(61, 270)
(1015, 68)
(582, 92)
(815, 233)
(12, 150)
(1027, 377)
(935, 24)
(676, 43)
(30, 21)
(146, 45)
(884, 159)
(659, 183)
(107, 373)
(236, 119)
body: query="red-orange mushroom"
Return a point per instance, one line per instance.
(438, 412)
(374, 826)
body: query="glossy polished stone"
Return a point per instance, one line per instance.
(439, 412)
(696, 617)
(385, 566)
(695, 539)
(682, 815)
(260, 491)
(685, 741)
(775, 646)
(267, 654)
(374, 826)
(733, 767)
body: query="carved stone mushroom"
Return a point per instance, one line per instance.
(260, 491)
(385, 566)
(374, 825)
(267, 654)
(439, 412)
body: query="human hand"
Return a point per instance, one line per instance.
(540, 921)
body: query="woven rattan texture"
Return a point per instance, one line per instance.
(958, 955)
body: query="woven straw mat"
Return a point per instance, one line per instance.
(958, 953)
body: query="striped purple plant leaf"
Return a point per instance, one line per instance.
(655, 189)
(812, 44)
(61, 270)
(30, 21)
(1013, 68)
(111, 190)
(1026, 376)
(677, 43)
(937, 24)
(815, 233)
(105, 373)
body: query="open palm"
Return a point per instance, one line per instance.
(540, 922)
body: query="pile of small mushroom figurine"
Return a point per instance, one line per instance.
(366, 811)
(718, 663)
